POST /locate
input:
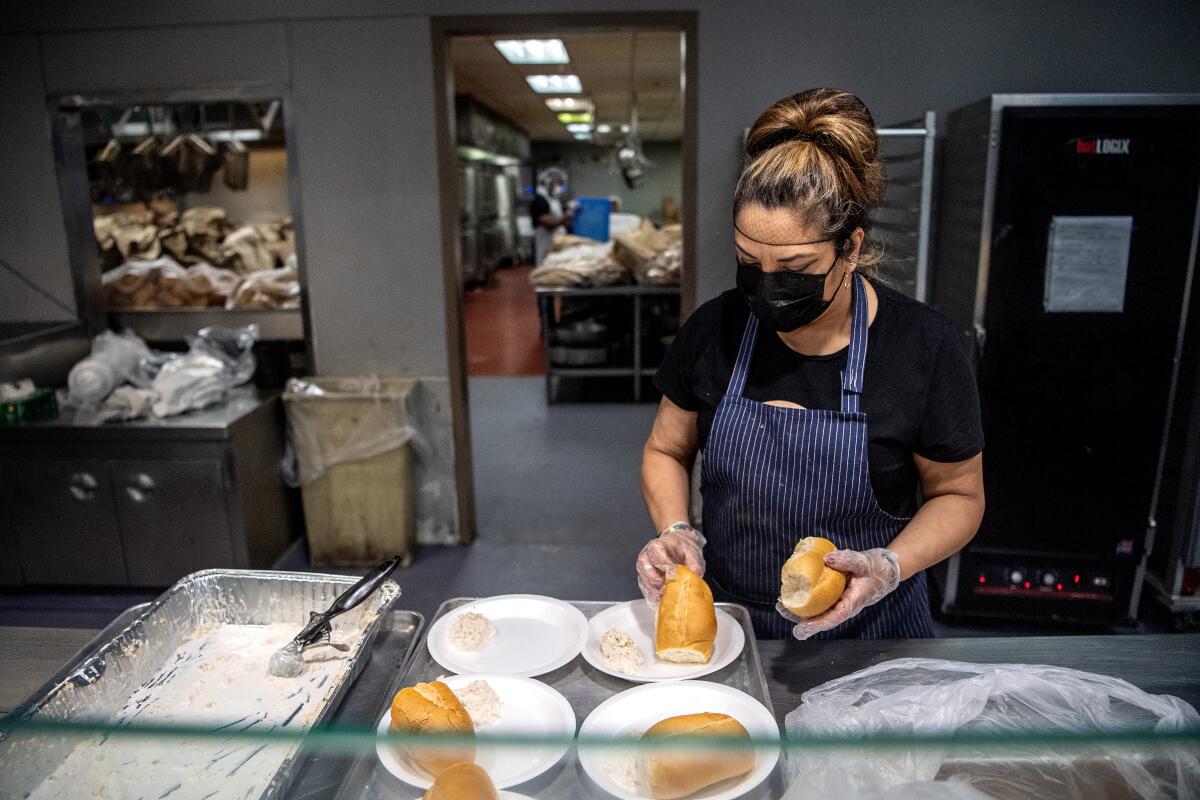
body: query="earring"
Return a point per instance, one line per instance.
(846, 283)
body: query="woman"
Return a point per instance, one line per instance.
(822, 399)
(546, 212)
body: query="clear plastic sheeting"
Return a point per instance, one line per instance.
(1014, 703)
(323, 434)
(217, 360)
(116, 359)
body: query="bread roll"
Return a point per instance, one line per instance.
(808, 586)
(462, 782)
(687, 621)
(433, 708)
(686, 770)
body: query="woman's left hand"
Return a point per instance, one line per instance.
(871, 576)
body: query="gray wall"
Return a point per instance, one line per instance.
(361, 79)
(593, 172)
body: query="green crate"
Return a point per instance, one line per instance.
(39, 405)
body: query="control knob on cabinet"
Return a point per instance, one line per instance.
(1048, 578)
(1016, 576)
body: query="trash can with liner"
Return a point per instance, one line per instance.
(352, 441)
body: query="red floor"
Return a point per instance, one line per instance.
(503, 335)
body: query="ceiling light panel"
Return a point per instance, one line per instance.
(567, 117)
(533, 51)
(583, 137)
(579, 127)
(567, 104)
(554, 84)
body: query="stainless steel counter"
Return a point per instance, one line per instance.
(215, 422)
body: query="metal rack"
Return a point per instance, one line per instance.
(68, 138)
(546, 296)
(902, 223)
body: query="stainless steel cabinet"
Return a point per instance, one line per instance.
(143, 504)
(65, 525)
(173, 518)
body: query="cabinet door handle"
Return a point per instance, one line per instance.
(83, 485)
(139, 487)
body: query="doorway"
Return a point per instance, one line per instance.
(607, 102)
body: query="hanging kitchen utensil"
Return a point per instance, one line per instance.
(205, 158)
(237, 160)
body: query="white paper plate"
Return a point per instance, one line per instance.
(534, 635)
(634, 711)
(636, 620)
(526, 706)
(504, 796)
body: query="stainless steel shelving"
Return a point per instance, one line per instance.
(637, 371)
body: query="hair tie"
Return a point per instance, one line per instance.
(787, 135)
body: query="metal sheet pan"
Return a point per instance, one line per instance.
(584, 687)
(103, 680)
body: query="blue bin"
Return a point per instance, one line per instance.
(591, 218)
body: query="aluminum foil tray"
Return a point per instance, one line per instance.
(584, 687)
(133, 663)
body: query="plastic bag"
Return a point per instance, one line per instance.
(217, 360)
(116, 358)
(272, 288)
(334, 420)
(927, 696)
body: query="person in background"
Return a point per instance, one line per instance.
(546, 211)
(822, 398)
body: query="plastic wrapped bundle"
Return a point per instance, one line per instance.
(115, 359)
(1001, 704)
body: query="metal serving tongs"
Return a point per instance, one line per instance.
(288, 661)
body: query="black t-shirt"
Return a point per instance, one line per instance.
(538, 207)
(918, 391)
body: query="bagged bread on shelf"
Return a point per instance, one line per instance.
(268, 289)
(213, 285)
(638, 250)
(588, 264)
(160, 283)
(248, 249)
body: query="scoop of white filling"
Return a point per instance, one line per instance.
(620, 652)
(471, 632)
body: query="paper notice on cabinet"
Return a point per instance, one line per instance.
(1087, 261)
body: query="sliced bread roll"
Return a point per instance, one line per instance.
(433, 708)
(687, 622)
(808, 587)
(462, 782)
(679, 772)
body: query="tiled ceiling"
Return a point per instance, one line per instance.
(604, 63)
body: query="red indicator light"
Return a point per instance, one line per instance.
(1026, 584)
(1059, 587)
(982, 579)
(1077, 579)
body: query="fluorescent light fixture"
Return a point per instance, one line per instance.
(554, 84)
(583, 137)
(567, 117)
(567, 104)
(603, 127)
(579, 127)
(624, 129)
(533, 51)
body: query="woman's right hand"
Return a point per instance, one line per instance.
(677, 544)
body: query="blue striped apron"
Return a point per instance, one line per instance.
(772, 476)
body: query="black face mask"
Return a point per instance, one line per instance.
(784, 300)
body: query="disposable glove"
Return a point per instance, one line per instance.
(871, 575)
(677, 544)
